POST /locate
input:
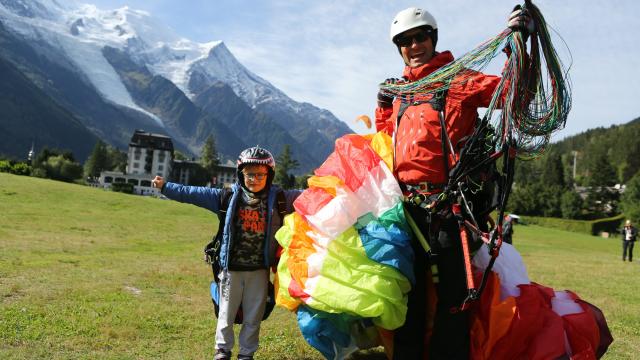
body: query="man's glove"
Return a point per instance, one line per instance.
(519, 20)
(384, 99)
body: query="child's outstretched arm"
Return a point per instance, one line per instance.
(201, 196)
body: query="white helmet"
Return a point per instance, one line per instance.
(410, 18)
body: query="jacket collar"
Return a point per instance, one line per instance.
(439, 60)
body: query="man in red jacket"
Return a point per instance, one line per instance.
(421, 165)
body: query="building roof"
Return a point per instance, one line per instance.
(144, 139)
(184, 163)
(227, 166)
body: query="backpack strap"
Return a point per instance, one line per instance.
(404, 105)
(281, 205)
(437, 102)
(212, 250)
(225, 200)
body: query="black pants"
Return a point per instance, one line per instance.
(450, 336)
(627, 245)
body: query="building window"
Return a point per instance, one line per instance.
(133, 181)
(120, 180)
(161, 157)
(108, 179)
(146, 183)
(136, 165)
(160, 167)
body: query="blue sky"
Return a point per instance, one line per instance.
(333, 53)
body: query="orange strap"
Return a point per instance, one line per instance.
(464, 237)
(467, 258)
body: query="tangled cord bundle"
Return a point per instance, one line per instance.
(535, 100)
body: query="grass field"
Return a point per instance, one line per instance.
(91, 274)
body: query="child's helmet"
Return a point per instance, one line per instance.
(258, 156)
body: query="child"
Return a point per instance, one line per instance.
(248, 246)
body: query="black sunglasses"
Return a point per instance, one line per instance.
(407, 40)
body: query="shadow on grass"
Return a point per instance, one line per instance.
(363, 355)
(368, 356)
(371, 354)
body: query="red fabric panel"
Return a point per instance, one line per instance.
(351, 161)
(311, 200)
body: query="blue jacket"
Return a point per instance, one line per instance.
(211, 198)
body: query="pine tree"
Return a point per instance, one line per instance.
(630, 202)
(571, 204)
(285, 164)
(632, 163)
(553, 172)
(302, 181)
(601, 200)
(177, 155)
(526, 173)
(209, 157)
(97, 161)
(601, 171)
(116, 159)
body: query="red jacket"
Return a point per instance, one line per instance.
(418, 149)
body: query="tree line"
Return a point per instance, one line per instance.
(579, 177)
(285, 165)
(61, 165)
(592, 175)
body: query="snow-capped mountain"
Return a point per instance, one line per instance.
(75, 35)
(49, 22)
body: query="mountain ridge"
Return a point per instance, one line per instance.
(21, 100)
(77, 40)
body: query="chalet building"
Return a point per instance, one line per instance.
(152, 154)
(149, 155)
(225, 175)
(141, 182)
(183, 171)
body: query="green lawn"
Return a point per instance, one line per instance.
(92, 274)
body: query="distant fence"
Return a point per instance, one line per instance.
(591, 227)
